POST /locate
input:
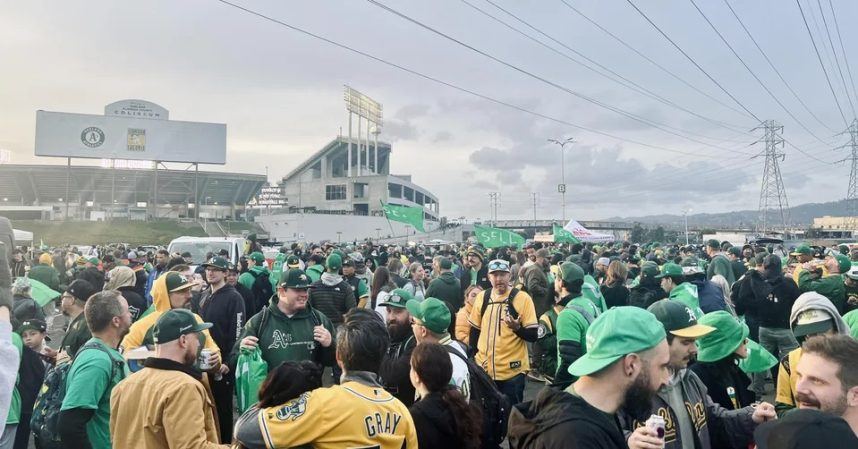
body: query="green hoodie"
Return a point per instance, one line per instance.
(315, 272)
(248, 277)
(686, 293)
(283, 338)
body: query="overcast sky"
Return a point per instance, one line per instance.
(280, 92)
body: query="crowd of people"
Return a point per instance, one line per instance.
(363, 345)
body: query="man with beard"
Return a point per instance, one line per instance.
(395, 370)
(84, 420)
(478, 273)
(692, 418)
(165, 404)
(223, 307)
(72, 303)
(626, 363)
(828, 377)
(162, 256)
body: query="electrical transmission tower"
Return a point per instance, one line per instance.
(852, 193)
(773, 198)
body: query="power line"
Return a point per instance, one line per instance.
(836, 59)
(819, 57)
(748, 68)
(630, 2)
(651, 61)
(772, 65)
(842, 48)
(544, 80)
(457, 87)
(636, 87)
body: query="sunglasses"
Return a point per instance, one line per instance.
(498, 266)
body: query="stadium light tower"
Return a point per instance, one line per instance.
(366, 108)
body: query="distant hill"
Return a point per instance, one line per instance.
(801, 215)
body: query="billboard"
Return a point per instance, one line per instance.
(63, 134)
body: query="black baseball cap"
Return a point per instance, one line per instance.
(34, 324)
(174, 323)
(81, 289)
(805, 429)
(678, 319)
(295, 278)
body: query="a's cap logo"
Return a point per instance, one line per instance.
(92, 137)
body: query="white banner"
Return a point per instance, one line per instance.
(64, 134)
(586, 235)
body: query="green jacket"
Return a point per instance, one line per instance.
(571, 336)
(593, 292)
(315, 272)
(446, 288)
(830, 286)
(283, 338)
(47, 275)
(721, 265)
(686, 293)
(248, 277)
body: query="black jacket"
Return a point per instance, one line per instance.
(142, 278)
(556, 419)
(395, 371)
(93, 276)
(225, 310)
(251, 306)
(482, 278)
(769, 301)
(435, 425)
(646, 295)
(616, 295)
(446, 288)
(719, 377)
(136, 304)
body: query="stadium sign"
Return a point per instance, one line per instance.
(130, 129)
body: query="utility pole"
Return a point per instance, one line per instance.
(685, 214)
(534, 195)
(772, 192)
(493, 205)
(562, 186)
(852, 192)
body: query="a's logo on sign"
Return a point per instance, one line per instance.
(92, 137)
(136, 139)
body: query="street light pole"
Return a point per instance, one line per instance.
(562, 187)
(685, 213)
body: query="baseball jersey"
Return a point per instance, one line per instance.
(501, 352)
(351, 415)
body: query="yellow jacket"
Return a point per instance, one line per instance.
(787, 380)
(163, 406)
(141, 331)
(463, 327)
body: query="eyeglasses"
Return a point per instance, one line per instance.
(416, 323)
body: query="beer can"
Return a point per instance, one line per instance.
(203, 360)
(656, 423)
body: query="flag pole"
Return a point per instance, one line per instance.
(392, 232)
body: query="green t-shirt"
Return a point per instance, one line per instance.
(15, 406)
(90, 381)
(571, 325)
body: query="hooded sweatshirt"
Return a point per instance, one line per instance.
(446, 288)
(332, 296)
(686, 293)
(141, 331)
(557, 419)
(787, 376)
(124, 279)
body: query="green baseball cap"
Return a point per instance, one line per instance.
(678, 319)
(570, 272)
(334, 262)
(398, 298)
(257, 257)
(176, 282)
(649, 269)
(802, 249)
(712, 243)
(843, 263)
(218, 263)
(812, 321)
(432, 312)
(174, 323)
(728, 336)
(670, 269)
(616, 333)
(93, 260)
(293, 262)
(295, 278)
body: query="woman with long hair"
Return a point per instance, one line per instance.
(463, 328)
(443, 417)
(382, 285)
(614, 289)
(416, 284)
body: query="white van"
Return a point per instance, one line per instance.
(200, 246)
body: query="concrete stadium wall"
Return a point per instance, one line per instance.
(317, 227)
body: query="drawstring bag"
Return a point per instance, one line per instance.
(250, 371)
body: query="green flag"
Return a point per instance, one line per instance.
(563, 236)
(41, 293)
(494, 237)
(405, 214)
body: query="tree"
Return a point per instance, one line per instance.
(656, 235)
(638, 233)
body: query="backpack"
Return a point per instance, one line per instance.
(46, 411)
(493, 405)
(487, 297)
(261, 288)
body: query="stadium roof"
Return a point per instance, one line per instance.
(40, 184)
